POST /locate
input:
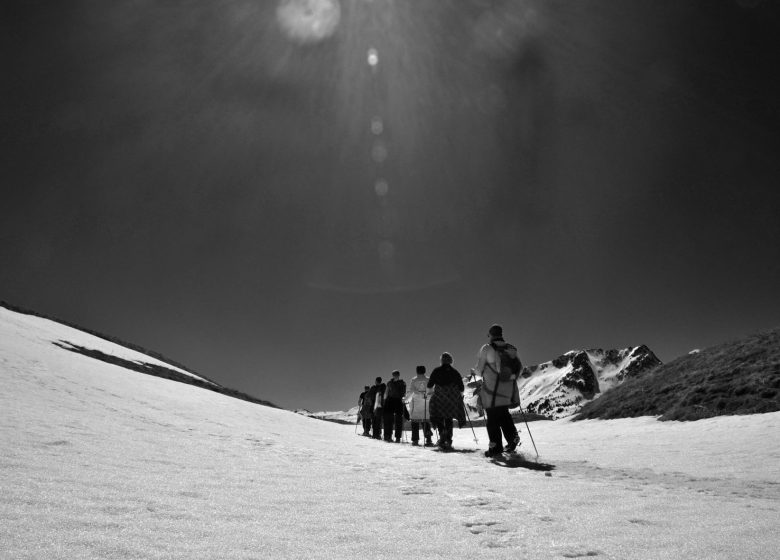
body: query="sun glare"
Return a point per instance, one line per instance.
(308, 21)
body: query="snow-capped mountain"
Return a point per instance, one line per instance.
(339, 416)
(562, 386)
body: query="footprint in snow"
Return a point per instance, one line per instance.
(579, 553)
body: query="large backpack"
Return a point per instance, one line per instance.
(510, 365)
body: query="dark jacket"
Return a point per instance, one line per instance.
(444, 376)
(446, 401)
(396, 389)
(372, 392)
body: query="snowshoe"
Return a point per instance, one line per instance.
(514, 444)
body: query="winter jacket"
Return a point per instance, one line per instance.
(446, 400)
(418, 399)
(444, 376)
(365, 404)
(373, 392)
(495, 392)
(396, 389)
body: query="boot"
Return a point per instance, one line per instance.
(494, 450)
(514, 444)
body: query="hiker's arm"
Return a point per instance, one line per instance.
(481, 360)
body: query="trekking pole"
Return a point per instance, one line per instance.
(466, 410)
(527, 427)
(357, 421)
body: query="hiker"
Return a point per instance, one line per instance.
(418, 407)
(446, 402)
(365, 410)
(376, 397)
(394, 407)
(499, 367)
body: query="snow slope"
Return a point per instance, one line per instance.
(106, 463)
(37, 328)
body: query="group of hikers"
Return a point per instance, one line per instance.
(437, 401)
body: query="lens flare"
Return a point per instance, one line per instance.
(377, 126)
(308, 21)
(373, 57)
(381, 187)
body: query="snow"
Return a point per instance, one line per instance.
(102, 462)
(32, 327)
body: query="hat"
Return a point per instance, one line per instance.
(396, 372)
(420, 369)
(496, 331)
(446, 358)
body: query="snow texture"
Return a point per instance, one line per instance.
(106, 463)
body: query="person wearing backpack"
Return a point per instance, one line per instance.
(418, 407)
(500, 367)
(375, 399)
(446, 402)
(394, 407)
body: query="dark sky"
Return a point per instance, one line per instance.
(243, 187)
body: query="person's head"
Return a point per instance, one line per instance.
(446, 358)
(367, 387)
(378, 380)
(420, 370)
(496, 331)
(396, 375)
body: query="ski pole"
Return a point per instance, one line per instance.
(527, 427)
(466, 410)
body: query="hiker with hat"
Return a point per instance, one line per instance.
(376, 396)
(365, 410)
(394, 407)
(499, 367)
(417, 400)
(446, 402)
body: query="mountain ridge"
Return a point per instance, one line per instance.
(740, 376)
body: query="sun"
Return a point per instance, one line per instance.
(308, 21)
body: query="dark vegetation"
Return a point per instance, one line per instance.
(738, 377)
(141, 367)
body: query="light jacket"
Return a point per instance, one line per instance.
(417, 399)
(494, 392)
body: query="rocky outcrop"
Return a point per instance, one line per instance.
(562, 386)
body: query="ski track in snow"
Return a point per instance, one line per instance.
(102, 462)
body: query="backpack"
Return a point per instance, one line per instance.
(510, 365)
(396, 389)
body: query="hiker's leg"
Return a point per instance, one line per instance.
(377, 424)
(387, 419)
(508, 425)
(493, 426)
(399, 423)
(367, 424)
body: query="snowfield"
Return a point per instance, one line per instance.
(102, 462)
